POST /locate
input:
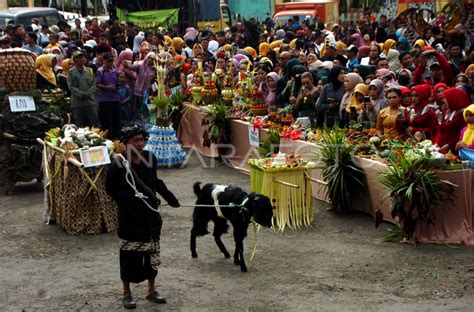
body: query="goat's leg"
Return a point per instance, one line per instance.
(236, 255)
(221, 245)
(220, 227)
(193, 243)
(239, 246)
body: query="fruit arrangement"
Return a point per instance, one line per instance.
(72, 137)
(258, 106)
(209, 91)
(227, 93)
(281, 161)
(277, 120)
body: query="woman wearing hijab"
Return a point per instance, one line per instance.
(438, 101)
(406, 97)
(386, 76)
(421, 119)
(145, 48)
(263, 48)
(270, 92)
(137, 41)
(197, 51)
(393, 60)
(62, 76)
(127, 56)
(377, 103)
(356, 103)
(280, 34)
(419, 44)
(403, 45)
(233, 67)
(405, 78)
(191, 34)
(469, 70)
(351, 80)
(213, 46)
(45, 77)
(305, 105)
(177, 44)
(460, 79)
(251, 52)
(453, 122)
(364, 51)
(465, 146)
(357, 40)
(330, 98)
(145, 77)
(387, 45)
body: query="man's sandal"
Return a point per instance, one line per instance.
(156, 298)
(128, 303)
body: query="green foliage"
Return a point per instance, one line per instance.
(340, 172)
(219, 124)
(271, 144)
(175, 107)
(161, 102)
(414, 189)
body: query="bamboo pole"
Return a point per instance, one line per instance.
(286, 183)
(244, 170)
(75, 162)
(307, 177)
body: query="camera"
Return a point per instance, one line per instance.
(366, 98)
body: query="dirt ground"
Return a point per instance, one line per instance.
(337, 265)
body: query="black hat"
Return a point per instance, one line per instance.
(131, 130)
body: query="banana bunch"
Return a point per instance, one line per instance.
(52, 133)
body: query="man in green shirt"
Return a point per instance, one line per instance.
(81, 82)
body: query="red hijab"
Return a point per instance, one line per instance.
(404, 90)
(457, 99)
(424, 94)
(435, 89)
(364, 51)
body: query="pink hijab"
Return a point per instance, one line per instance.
(360, 41)
(145, 76)
(271, 95)
(126, 55)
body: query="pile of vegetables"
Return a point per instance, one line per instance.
(72, 137)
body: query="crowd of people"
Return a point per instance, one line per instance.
(368, 73)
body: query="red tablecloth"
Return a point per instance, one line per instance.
(242, 151)
(190, 131)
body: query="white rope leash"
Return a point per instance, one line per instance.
(131, 181)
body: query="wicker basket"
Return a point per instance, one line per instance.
(259, 111)
(17, 70)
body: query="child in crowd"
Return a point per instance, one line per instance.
(466, 139)
(125, 95)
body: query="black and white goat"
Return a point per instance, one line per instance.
(246, 206)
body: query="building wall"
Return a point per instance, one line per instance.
(252, 8)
